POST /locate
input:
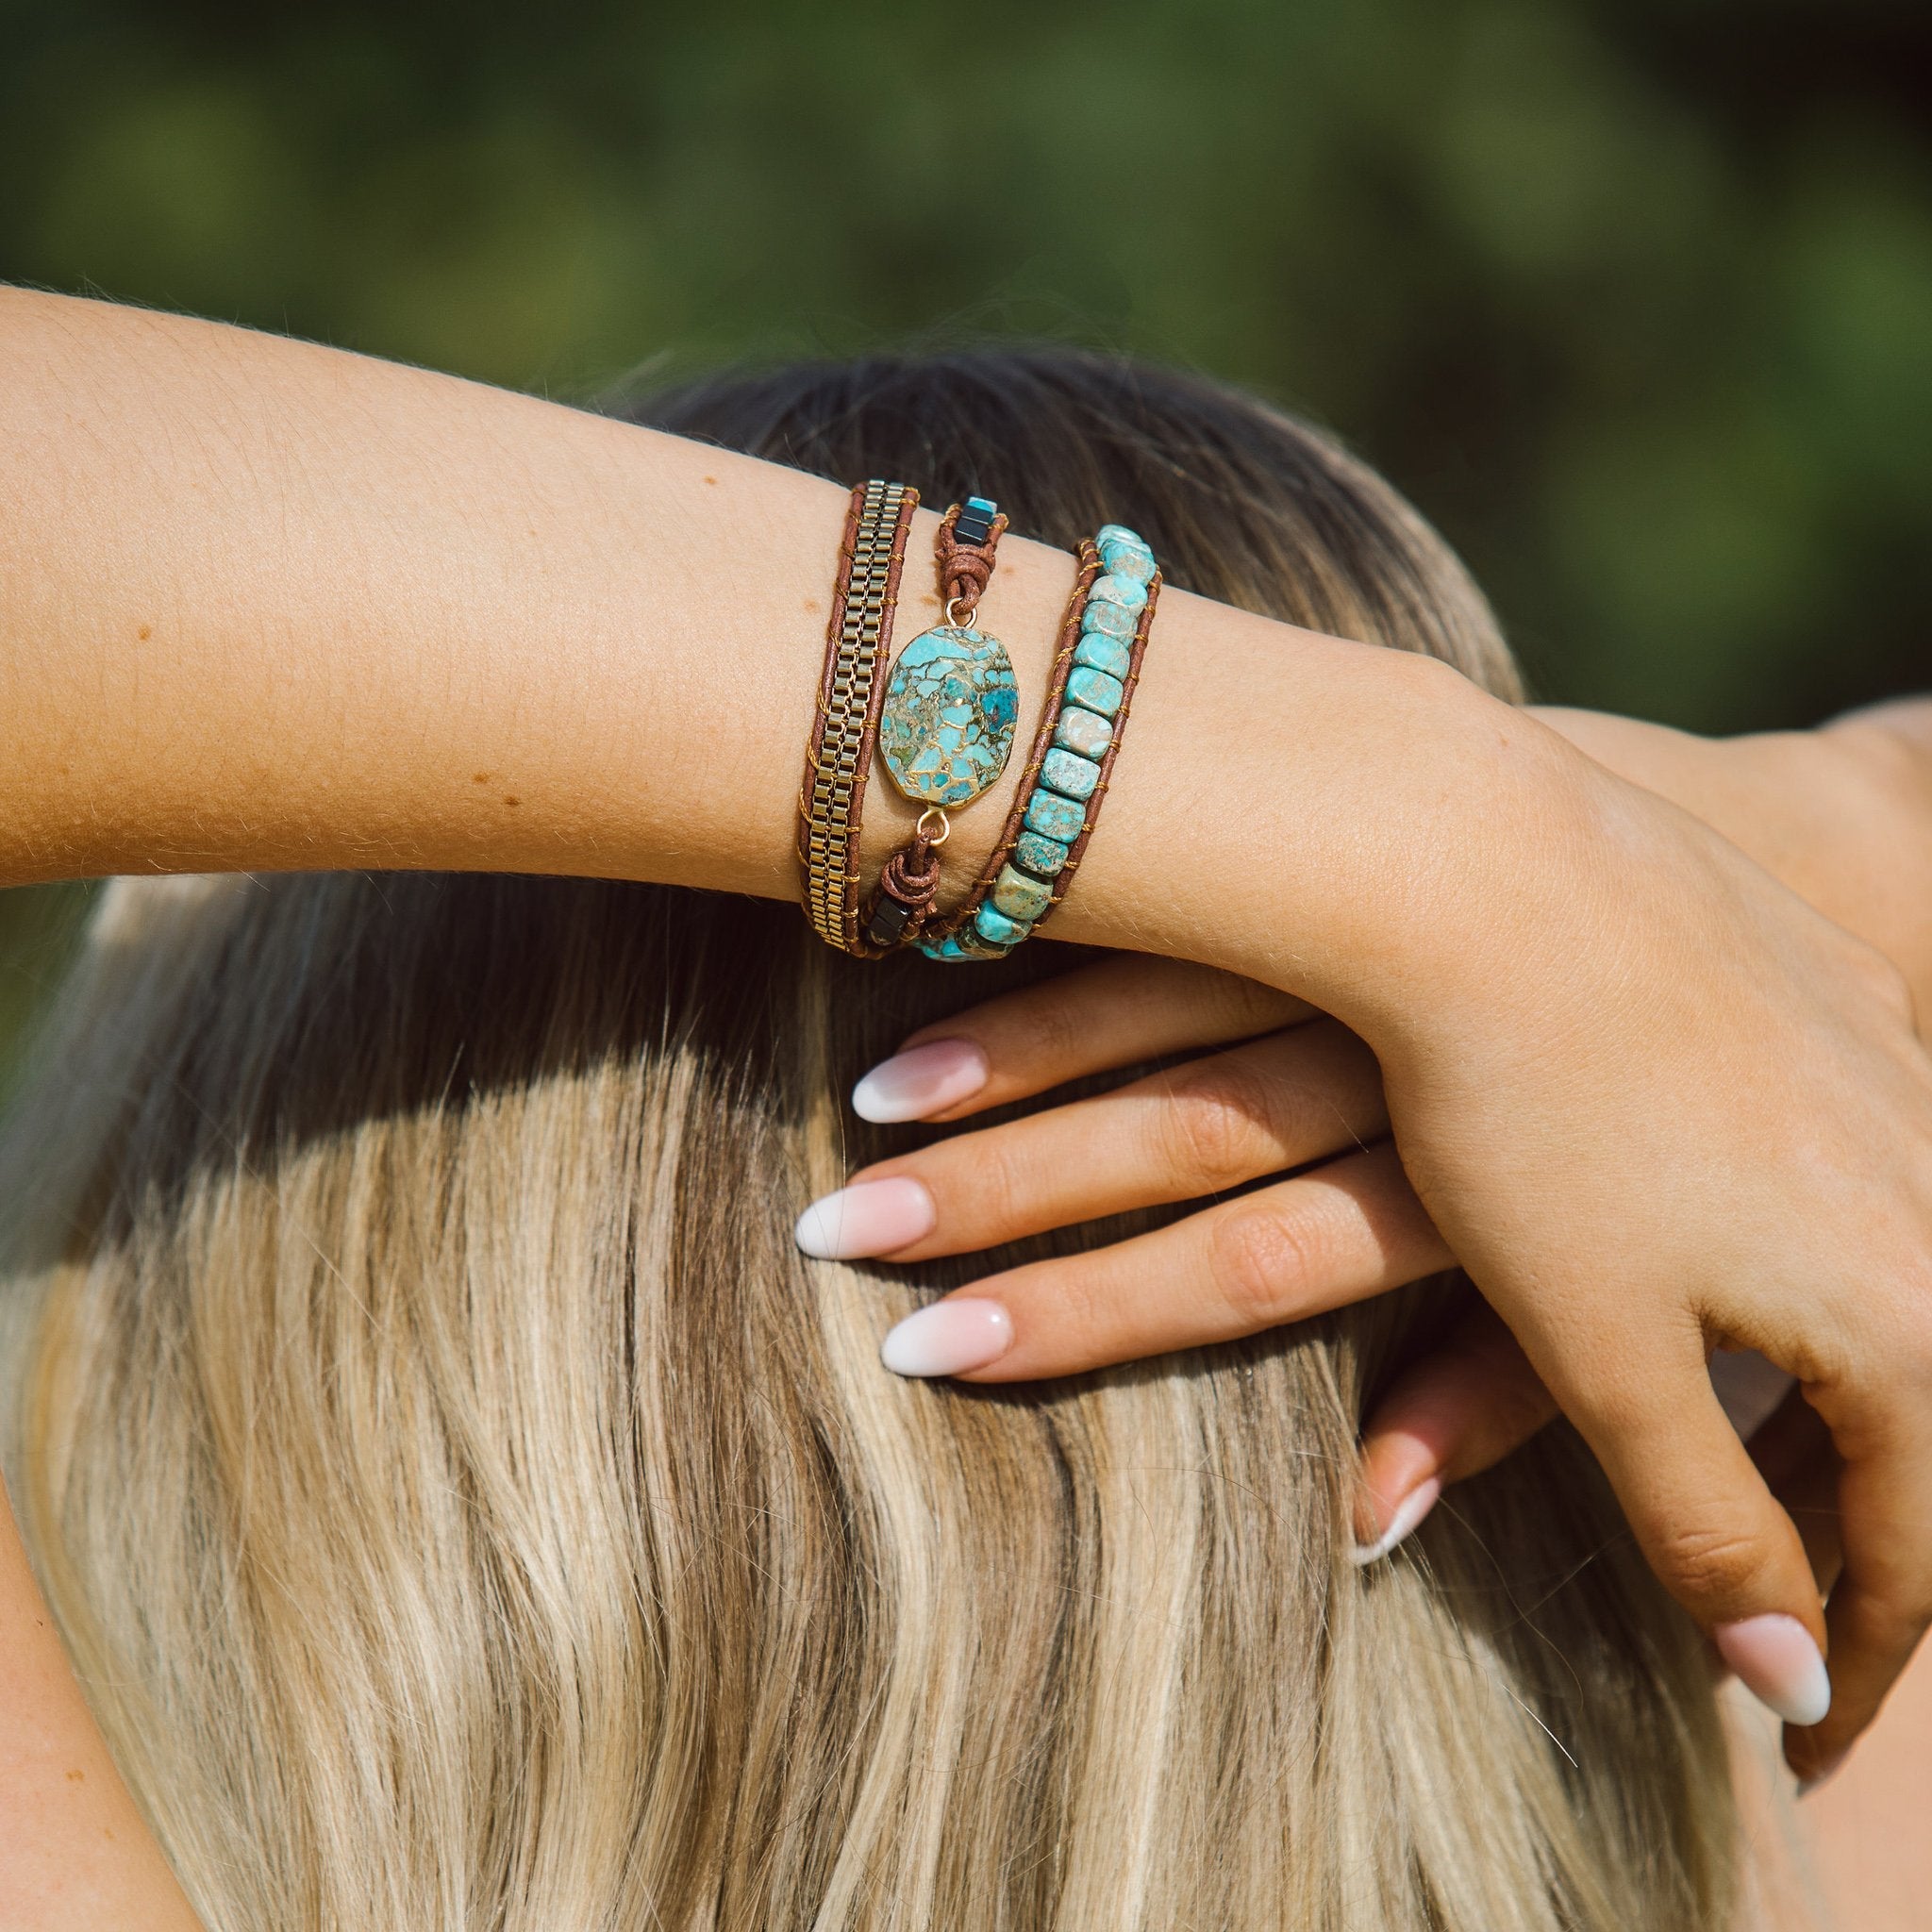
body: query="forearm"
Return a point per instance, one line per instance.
(267, 605)
(270, 605)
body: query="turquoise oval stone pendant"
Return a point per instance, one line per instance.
(946, 730)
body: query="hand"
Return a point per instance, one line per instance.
(1353, 1226)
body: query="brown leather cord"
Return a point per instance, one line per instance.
(896, 913)
(1076, 851)
(870, 664)
(912, 873)
(1069, 641)
(965, 569)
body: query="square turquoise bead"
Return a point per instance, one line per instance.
(996, 928)
(1118, 560)
(1095, 689)
(1105, 654)
(1020, 897)
(1109, 620)
(1040, 854)
(1083, 731)
(1116, 590)
(1054, 817)
(1069, 773)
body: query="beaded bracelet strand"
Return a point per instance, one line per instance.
(838, 758)
(1064, 784)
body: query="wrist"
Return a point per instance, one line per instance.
(1294, 807)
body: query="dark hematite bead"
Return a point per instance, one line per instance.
(889, 922)
(975, 521)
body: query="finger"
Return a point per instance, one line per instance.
(1117, 1012)
(1351, 1230)
(1457, 1411)
(1704, 1516)
(1883, 1602)
(1475, 1399)
(1194, 1130)
(1794, 1452)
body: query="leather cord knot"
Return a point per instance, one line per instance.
(965, 568)
(907, 888)
(966, 575)
(912, 872)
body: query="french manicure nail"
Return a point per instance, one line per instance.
(1408, 1512)
(868, 1218)
(1776, 1661)
(948, 1339)
(922, 1081)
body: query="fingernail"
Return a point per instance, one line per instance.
(922, 1080)
(868, 1218)
(1408, 1512)
(948, 1339)
(1778, 1663)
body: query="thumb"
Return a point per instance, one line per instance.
(1462, 1407)
(1715, 1535)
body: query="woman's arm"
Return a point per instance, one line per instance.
(267, 605)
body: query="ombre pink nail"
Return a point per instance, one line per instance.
(1776, 1661)
(922, 1081)
(1406, 1515)
(949, 1338)
(868, 1218)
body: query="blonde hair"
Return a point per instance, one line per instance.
(467, 1510)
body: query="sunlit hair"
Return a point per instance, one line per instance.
(467, 1510)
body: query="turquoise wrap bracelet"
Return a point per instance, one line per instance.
(1080, 737)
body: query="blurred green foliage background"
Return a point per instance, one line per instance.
(1634, 297)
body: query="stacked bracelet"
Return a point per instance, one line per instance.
(944, 721)
(1095, 674)
(838, 758)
